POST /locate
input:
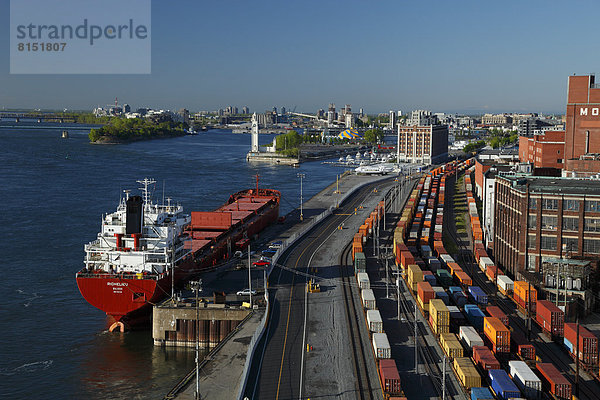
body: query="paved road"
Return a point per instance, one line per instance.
(275, 372)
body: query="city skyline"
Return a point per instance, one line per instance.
(468, 58)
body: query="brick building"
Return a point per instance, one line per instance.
(423, 144)
(544, 150)
(562, 217)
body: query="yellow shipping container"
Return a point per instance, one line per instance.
(424, 307)
(439, 313)
(451, 345)
(466, 372)
(415, 275)
(439, 329)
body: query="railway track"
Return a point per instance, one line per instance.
(508, 307)
(364, 386)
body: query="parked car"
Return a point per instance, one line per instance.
(261, 263)
(276, 245)
(246, 292)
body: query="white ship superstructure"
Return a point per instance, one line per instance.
(144, 241)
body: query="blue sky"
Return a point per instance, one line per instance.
(452, 56)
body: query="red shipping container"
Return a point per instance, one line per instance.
(553, 381)
(491, 270)
(588, 343)
(425, 292)
(521, 346)
(495, 311)
(406, 258)
(485, 358)
(464, 278)
(550, 318)
(437, 236)
(390, 379)
(480, 253)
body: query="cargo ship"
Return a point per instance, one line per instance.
(144, 250)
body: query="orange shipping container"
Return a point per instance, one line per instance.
(523, 295)
(464, 278)
(406, 258)
(454, 268)
(497, 333)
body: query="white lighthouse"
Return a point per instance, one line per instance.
(254, 148)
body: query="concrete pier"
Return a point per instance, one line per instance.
(175, 324)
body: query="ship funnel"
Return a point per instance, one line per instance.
(135, 215)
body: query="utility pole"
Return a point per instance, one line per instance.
(398, 294)
(387, 286)
(577, 357)
(416, 343)
(301, 176)
(196, 288)
(249, 277)
(444, 378)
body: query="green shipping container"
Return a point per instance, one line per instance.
(360, 263)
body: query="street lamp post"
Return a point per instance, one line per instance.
(301, 176)
(196, 287)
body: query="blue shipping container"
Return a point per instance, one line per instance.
(478, 295)
(481, 393)
(502, 385)
(459, 299)
(443, 296)
(475, 316)
(426, 251)
(454, 289)
(431, 279)
(568, 344)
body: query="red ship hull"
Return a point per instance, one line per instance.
(128, 298)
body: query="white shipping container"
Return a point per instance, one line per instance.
(447, 258)
(469, 336)
(505, 283)
(368, 299)
(374, 320)
(485, 262)
(381, 346)
(526, 380)
(438, 228)
(363, 280)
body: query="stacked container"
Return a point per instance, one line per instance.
(502, 385)
(390, 379)
(553, 381)
(484, 263)
(458, 295)
(424, 294)
(475, 316)
(526, 380)
(451, 345)
(495, 311)
(439, 316)
(481, 393)
(466, 372)
(414, 276)
(444, 277)
(498, 334)
(485, 358)
(588, 343)
(469, 337)
(441, 294)
(478, 295)
(524, 294)
(505, 285)
(463, 278)
(522, 346)
(550, 318)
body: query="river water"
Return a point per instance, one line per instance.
(54, 191)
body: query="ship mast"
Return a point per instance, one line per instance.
(146, 182)
(257, 176)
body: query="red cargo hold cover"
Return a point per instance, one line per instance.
(211, 220)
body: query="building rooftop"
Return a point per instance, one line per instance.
(553, 185)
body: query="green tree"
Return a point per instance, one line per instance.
(373, 136)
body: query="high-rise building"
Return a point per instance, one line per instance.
(423, 144)
(421, 118)
(543, 150)
(393, 120)
(331, 114)
(245, 110)
(126, 108)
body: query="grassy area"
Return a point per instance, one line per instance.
(449, 244)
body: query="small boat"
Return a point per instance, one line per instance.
(191, 131)
(64, 135)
